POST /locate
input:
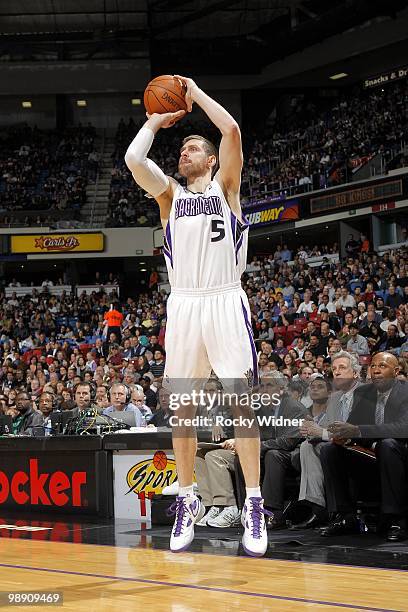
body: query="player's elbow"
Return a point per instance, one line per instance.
(232, 130)
(132, 159)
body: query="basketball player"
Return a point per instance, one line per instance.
(208, 316)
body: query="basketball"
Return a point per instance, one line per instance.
(159, 460)
(164, 94)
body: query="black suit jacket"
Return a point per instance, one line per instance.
(283, 437)
(395, 412)
(31, 419)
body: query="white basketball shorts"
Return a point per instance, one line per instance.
(208, 330)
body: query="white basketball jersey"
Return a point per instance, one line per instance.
(204, 243)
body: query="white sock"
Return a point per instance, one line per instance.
(254, 492)
(186, 491)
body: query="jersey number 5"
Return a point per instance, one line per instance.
(217, 227)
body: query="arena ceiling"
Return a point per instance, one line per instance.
(196, 36)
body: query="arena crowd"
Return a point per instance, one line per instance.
(315, 146)
(319, 145)
(325, 335)
(46, 171)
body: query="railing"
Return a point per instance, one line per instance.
(58, 290)
(259, 186)
(91, 217)
(287, 192)
(88, 289)
(28, 290)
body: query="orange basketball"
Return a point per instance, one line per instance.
(165, 94)
(159, 460)
(290, 213)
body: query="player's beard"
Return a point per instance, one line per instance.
(191, 170)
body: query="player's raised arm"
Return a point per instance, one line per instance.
(145, 171)
(230, 154)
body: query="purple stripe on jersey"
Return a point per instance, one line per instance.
(234, 227)
(251, 340)
(242, 227)
(239, 243)
(166, 252)
(234, 235)
(169, 243)
(245, 222)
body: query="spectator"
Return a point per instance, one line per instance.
(393, 299)
(27, 419)
(158, 363)
(357, 343)
(345, 301)
(379, 412)
(120, 401)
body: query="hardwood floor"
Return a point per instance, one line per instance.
(117, 578)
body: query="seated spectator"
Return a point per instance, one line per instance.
(345, 301)
(27, 419)
(393, 340)
(378, 414)
(393, 299)
(162, 415)
(150, 395)
(279, 446)
(307, 305)
(346, 372)
(120, 397)
(357, 343)
(157, 364)
(138, 399)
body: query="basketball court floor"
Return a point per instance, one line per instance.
(123, 565)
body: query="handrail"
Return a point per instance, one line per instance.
(91, 218)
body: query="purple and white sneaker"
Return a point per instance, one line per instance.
(188, 511)
(255, 538)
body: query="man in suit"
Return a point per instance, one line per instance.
(100, 350)
(279, 445)
(346, 370)
(378, 420)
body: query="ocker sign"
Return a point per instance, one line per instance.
(42, 488)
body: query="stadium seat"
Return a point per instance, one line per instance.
(280, 331)
(291, 332)
(300, 324)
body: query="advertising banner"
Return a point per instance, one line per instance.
(265, 212)
(57, 243)
(359, 162)
(48, 483)
(330, 202)
(386, 77)
(138, 475)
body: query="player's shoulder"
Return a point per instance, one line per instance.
(165, 200)
(174, 184)
(216, 181)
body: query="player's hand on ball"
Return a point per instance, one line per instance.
(165, 120)
(190, 85)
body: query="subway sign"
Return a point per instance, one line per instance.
(266, 212)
